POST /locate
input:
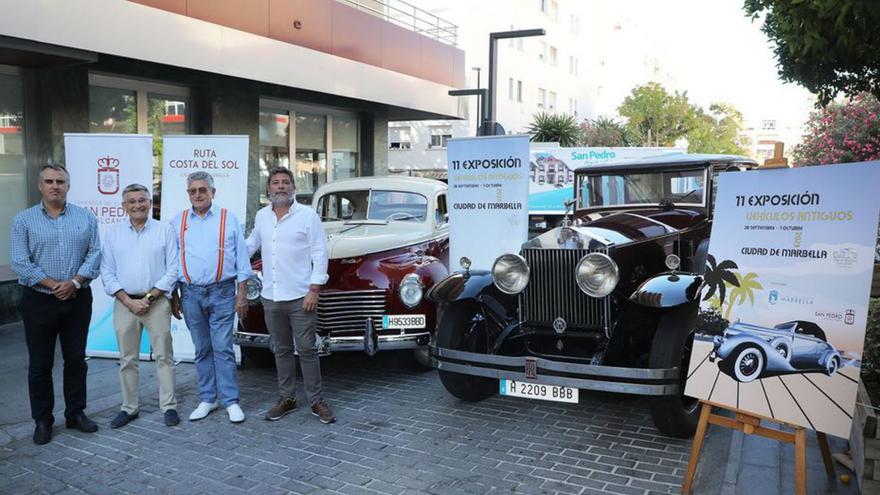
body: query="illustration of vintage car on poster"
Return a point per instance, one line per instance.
(781, 322)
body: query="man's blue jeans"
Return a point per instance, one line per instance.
(209, 312)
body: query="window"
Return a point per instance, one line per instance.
(13, 173)
(552, 106)
(519, 91)
(553, 53)
(575, 24)
(519, 44)
(439, 136)
(510, 91)
(399, 138)
(440, 211)
(573, 106)
(544, 5)
(542, 52)
(542, 97)
(573, 65)
(126, 106)
(554, 10)
(345, 146)
(768, 125)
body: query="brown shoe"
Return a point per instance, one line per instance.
(323, 412)
(281, 409)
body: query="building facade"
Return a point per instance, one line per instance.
(313, 83)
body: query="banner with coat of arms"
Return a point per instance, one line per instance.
(100, 167)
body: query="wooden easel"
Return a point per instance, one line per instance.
(751, 425)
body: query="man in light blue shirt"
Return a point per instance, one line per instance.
(55, 252)
(139, 266)
(213, 260)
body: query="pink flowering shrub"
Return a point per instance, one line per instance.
(842, 133)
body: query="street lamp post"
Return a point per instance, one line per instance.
(489, 125)
(479, 99)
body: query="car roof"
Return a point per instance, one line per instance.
(425, 187)
(669, 161)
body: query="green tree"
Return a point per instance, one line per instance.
(562, 128)
(717, 131)
(657, 117)
(606, 131)
(842, 132)
(828, 46)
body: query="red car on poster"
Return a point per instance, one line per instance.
(388, 243)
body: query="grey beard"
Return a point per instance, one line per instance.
(281, 200)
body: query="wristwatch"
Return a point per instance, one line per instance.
(150, 297)
(76, 284)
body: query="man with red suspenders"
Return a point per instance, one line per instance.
(213, 260)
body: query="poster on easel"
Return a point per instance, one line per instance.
(100, 166)
(226, 159)
(784, 305)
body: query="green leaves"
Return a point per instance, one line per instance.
(605, 131)
(564, 129)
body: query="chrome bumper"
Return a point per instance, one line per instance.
(327, 344)
(639, 381)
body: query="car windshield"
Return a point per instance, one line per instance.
(682, 187)
(373, 205)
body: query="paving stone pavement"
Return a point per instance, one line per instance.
(398, 432)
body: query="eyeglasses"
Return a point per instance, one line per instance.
(133, 202)
(197, 190)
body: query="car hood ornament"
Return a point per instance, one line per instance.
(559, 324)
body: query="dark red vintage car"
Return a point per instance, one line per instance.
(388, 243)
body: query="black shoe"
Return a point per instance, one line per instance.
(82, 423)
(122, 419)
(171, 418)
(42, 433)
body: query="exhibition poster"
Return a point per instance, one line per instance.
(488, 198)
(784, 305)
(100, 166)
(226, 159)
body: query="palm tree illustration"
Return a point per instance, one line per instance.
(745, 289)
(717, 277)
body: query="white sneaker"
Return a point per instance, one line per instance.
(203, 410)
(236, 415)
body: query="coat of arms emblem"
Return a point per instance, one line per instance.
(108, 175)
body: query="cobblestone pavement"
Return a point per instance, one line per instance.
(398, 431)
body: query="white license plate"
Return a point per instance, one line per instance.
(400, 322)
(530, 390)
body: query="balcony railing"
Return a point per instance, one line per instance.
(410, 17)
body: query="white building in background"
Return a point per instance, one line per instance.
(551, 73)
(761, 136)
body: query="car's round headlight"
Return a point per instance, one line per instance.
(510, 272)
(254, 287)
(411, 290)
(597, 274)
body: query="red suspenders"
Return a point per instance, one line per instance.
(222, 249)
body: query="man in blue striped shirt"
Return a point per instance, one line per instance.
(55, 252)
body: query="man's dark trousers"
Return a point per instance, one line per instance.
(46, 320)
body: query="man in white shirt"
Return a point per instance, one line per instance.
(294, 253)
(139, 269)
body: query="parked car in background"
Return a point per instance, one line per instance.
(748, 352)
(608, 301)
(388, 243)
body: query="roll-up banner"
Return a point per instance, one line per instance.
(100, 167)
(226, 159)
(488, 198)
(781, 324)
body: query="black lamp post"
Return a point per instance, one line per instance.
(490, 127)
(479, 99)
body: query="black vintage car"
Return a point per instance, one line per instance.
(606, 302)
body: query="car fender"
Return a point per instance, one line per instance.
(473, 285)
(668, 290)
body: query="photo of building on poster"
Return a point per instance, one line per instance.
(782, 315)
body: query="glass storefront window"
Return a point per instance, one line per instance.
(112, 110)
(311, 152)
(274, 145)
(345, 147)
(13, 174)
(165, 115)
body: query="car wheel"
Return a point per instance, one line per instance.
(462, 327)
(782, 346)
(748, 363)
(258, 357)
(675, 415)
(832, 365)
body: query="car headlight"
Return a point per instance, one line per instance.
(411, 290)
(596, 274)
(510, 272)
(254, 287)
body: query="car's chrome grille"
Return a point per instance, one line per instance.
(552, 291)
(348, 311)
